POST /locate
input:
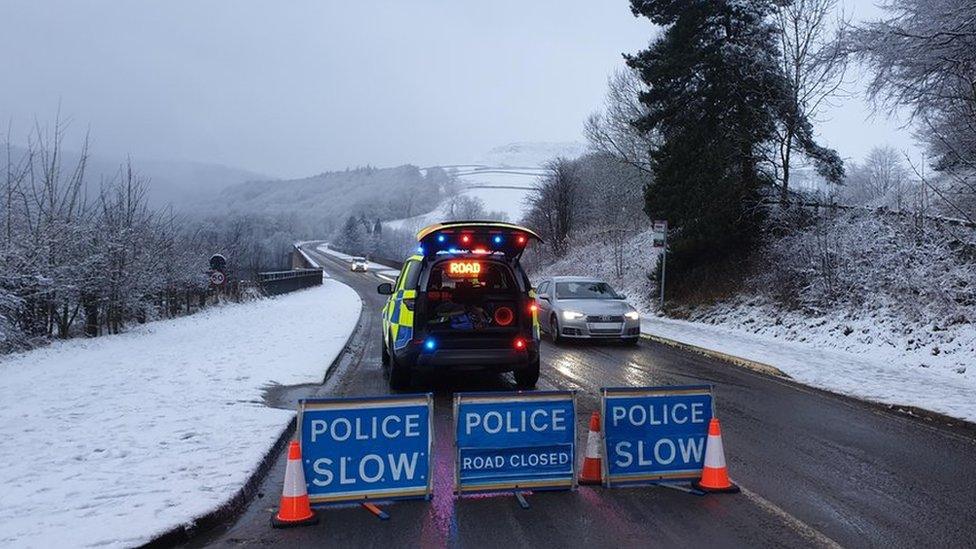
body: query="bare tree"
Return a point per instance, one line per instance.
(555, 202)
(923, 59)
(813, 60)
(612, 131)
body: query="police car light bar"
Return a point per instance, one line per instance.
(478, 237)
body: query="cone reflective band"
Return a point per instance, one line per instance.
(294, 509)
(715, 474)
(592, 472)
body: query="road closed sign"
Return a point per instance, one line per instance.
(358, 449)
(655, 434)
(512, 441)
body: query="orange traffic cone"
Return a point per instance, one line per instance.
(715, 475)
(295, 509)
(592, 472)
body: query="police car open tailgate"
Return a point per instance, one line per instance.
(477, 237)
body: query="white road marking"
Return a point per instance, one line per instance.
(796, 524)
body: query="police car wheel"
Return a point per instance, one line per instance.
(399, 375)
(385, 355)
(527, 377)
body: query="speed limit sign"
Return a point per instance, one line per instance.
(217, 278)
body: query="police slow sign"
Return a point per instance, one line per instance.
(355, 449)
(655, 434)
(510, 441)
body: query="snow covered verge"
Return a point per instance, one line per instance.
(111, 441)
(875, 305)
(887, 377)
(895, 328)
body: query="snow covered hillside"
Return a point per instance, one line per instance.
(110, 441)
(592, 257)
(500, 180)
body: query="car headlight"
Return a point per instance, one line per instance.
(572, 315)
(633, 315)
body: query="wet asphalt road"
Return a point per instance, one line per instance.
(816, 469)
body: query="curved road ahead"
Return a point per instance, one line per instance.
(816, 468)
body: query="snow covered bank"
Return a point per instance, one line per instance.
(589, 256)
(888, 377)
(109, 441)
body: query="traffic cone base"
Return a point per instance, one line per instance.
(310, 521)
(715, 474)
(592, 472)
(732, 488)
(295, 509)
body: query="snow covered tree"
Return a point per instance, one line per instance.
(923, 59)
(813, 62)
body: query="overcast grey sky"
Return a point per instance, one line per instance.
(292, 88)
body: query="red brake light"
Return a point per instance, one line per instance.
(465, 238)
(519, 343)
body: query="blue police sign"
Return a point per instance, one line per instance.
(655, 434)
(355, 449)
(509, 441)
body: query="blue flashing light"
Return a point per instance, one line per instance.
(498, 240)
(454, 251)
(441, 238)
(420, 250)
(430, 345)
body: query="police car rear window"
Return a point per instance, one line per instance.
(469, 275)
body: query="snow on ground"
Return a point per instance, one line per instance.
(110, 441)
(872, 373)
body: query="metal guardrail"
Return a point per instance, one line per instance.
(282, 282)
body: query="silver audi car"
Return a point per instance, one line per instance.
(585, 308)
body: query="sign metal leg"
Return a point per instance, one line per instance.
(372, 508)
(523, 503)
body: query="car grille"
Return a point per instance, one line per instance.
(605, 318)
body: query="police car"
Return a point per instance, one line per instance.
(463, 302)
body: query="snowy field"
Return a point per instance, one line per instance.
(501, 179)
(110, 441)
(873, 373)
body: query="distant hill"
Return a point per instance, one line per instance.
(171, 182)
(383, 193)
(531, 153)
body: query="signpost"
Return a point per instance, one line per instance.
(655, 434)
(660, 240)
(359, 449)
(515, 441)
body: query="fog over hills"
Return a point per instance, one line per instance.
(176, 183)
